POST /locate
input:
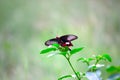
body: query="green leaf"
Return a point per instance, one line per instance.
(80, 74)
(106, 56)
(85, 59)
(73, 51)
(92, 67)
(56, 45)
(66, 76)
(47, 50)
(63, 49)
(81, 59)
(90, 59)
(63, 53)
(99, 57)
(111, 68)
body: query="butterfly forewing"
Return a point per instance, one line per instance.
(67, 38)
(51, 41)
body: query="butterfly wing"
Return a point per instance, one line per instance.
(67, 38)
(51, 41)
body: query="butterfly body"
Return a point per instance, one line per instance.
(64, 40)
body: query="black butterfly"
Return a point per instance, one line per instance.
(64, 40)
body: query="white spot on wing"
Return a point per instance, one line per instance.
(67, 43)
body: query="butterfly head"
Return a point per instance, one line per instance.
(57, 37)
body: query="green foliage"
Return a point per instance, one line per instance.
(66, 76)
(85, 60)
(63, 49)
(56, 45)
(107, 57)
(76, 50)
(63, 53)
(44, 51)
(114, 72)
(103, 57)
(93, 68)
(113, 68)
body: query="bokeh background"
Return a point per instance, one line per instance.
(26, 24)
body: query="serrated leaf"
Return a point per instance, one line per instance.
(106, 56)
(74, 51)
(47, 50)
(66, 76)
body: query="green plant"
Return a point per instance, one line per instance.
(93, 72)
(114, 72)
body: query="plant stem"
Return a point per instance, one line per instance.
(96, 62)
(73, 69)
(87, 63)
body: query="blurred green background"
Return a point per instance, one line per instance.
(26, 24)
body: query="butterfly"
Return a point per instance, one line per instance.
(64, 40)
